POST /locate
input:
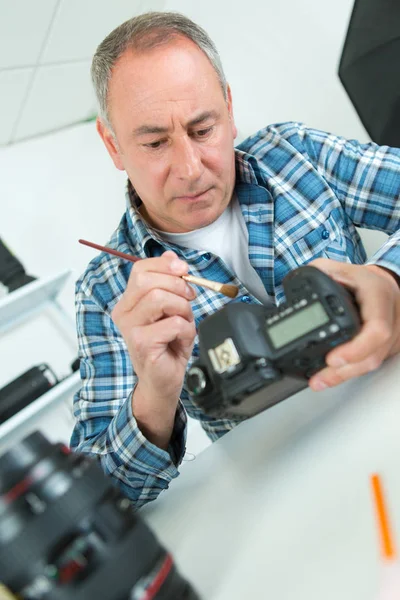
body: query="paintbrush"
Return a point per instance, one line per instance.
(226, 289)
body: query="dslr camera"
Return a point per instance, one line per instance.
(252, 356)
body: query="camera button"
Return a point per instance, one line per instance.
(336, 342)
(311, 343)
(301, 362)
(335, 305)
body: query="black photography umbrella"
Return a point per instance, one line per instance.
(370, 67)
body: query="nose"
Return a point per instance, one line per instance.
(186, 162)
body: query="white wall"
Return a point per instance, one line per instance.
(51, 194)
(281, 60)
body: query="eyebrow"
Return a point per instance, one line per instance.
(151, 129)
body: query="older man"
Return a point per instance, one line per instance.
(285, 196)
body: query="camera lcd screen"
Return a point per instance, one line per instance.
(298, 324)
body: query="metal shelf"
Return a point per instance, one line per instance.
(29, 300)
(26, 419)
(16, 308)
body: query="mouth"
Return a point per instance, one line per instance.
(194, 197)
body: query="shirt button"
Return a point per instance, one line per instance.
(246, 299)
(206, 256)
(325, 234)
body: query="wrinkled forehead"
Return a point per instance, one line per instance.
(165, 76)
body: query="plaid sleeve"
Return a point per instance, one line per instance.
(366, 179)
(105, 426)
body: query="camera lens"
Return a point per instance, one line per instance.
(196, 381)
(67, 533)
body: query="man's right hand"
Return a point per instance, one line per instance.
(156, 321)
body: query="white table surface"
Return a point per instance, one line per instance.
(281, 508)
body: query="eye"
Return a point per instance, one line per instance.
(154, 145)
(201, 133)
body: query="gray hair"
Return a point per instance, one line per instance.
(142, 33)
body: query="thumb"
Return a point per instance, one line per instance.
(340, 272)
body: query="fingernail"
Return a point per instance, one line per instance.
(319, 385)
(337, 361)
(177, 266)
(190, 292)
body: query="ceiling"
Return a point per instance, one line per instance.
(45, 53)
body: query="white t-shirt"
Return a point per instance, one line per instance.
(227, 238)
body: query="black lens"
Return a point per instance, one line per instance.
(67, 533)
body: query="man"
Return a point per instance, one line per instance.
(286, 196)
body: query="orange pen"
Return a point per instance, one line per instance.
(388, 549)
(390, 580)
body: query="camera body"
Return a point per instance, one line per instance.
(252, 357)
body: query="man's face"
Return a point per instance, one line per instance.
(175, 134)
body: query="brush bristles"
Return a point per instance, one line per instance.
(229, 290)
(221, 288)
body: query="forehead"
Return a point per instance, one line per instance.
(175, 76)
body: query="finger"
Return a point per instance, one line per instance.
(158, 304)
(150, 341)
(377, 314)
(166, 263)
(373, 338)
(341, 272)
(374, 296)
(330, 377)
(143, 283)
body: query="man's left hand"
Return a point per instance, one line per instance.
(378, 296)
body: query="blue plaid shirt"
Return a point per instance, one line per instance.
(302, 192)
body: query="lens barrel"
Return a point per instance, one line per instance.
(67, 533)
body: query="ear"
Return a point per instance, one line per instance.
(110, 143)
(230, 110)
